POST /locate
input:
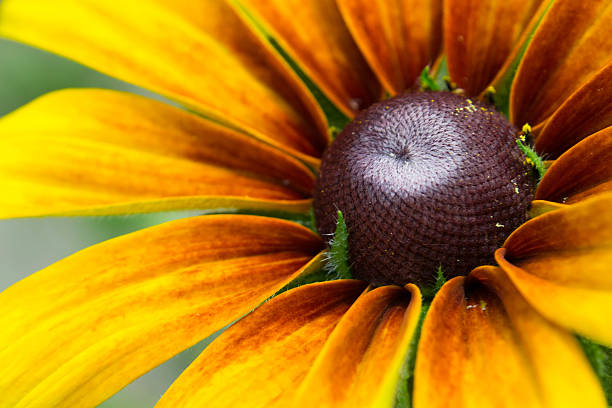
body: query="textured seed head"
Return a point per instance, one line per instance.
(424, 180)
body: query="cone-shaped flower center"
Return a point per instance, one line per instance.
(424, 180)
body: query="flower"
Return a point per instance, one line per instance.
(265, 82)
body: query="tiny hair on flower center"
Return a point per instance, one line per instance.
(425, 180)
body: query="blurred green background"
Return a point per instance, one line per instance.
(27, 245)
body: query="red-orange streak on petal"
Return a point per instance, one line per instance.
(260, 361)
(582, 171)
(586, 111)
(398, 38)
(360, 364)
(78, 331)
(572, 43)
(196, 52)
(313, 33)
(483, 346)
(76, 149)
(479, 37)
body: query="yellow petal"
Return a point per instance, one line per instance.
(196, 52)
(482, 345)
(398, 38)
(259, 361)
(104, 152)
(586, 111)
(560, 262)
(202, 204)
(314, 35)
(571, 44)
(361, 361)
(76, 332)
(539, 207)
(480, 35)
(582, 171)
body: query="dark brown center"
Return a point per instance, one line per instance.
(424, 180)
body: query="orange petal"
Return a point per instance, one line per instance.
(104, 152)
(572, 43)
(586, 111)
(360, 364)
(196, 52)
(482, 345)
(480, 35)
(561, 261)
(398, 38)
(258, 361)
(78, 331)
(325, 50)
(582, 171)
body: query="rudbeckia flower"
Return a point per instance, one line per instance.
(476, 268)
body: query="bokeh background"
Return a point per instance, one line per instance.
(27, 245)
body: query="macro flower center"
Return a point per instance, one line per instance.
(424, 181)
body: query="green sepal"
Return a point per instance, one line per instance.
(333, 132)
(311, 223)
(430, 292)
(442, 76)
(426, 81)
(338, 265)
(600, 358)
(499, 92)
(335, 264)
(532, 158)
(405, 385)
(436, 80)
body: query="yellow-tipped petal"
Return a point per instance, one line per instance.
(482, 345)
(196, 52)
(560, 262)
(398, 38)
(539, 207)
(259, 361)
(76, 332)
(361, 361)
(480, 35)
(104, 152)
(572, 43)
(314, 35)
(581, 172)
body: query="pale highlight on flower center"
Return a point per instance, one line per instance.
(424, 180)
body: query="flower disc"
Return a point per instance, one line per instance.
(424, 180)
